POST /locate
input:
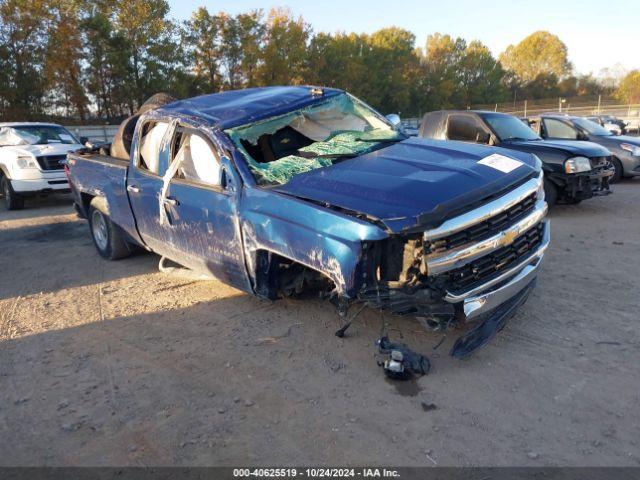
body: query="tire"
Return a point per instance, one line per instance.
(155, 101)
(573, 201)
(121, 144)
(550, 193)
(12, 200)
(618, 173)
(107, 237)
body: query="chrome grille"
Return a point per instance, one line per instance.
(485, 228)
(51, 162)
(478, 246)
(484, 268)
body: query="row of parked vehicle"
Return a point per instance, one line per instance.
(580, 158)
(281, 190)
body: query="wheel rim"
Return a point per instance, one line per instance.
(99, 229)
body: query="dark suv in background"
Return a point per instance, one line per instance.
(574, 171)
(625, 150)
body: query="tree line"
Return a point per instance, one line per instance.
(100, 59)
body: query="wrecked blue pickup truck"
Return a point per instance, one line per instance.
(281, 190)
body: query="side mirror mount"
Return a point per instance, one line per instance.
(394, 119)
(226, 174)
(582, 136)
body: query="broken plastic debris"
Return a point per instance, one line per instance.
(399, 361)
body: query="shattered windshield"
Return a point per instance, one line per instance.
(508, 127)
(314, 137)
(35, 135)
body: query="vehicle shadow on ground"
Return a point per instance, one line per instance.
(58, 255)
(37, 207)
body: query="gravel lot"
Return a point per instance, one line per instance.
(114, 363)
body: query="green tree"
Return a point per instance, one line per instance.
(150, 46)
(392, 67)
(251, 34)
(481, 76)
(543, 86)
(203, 36)
(23, 46)
(106, 66)
(539, 53)
(284, 58)
(64, 56)
(629, 89)
(339, 61)
(440, 83)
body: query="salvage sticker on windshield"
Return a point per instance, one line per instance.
(500, 162)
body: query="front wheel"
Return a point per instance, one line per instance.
(107, 237)
(12, 200)
(618, 171)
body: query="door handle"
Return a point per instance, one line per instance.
(171, 201)
(133, 188)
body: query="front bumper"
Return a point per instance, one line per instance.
(485, 277)
(581, 186)
(493, 303)
(490, 295)
(57, 184)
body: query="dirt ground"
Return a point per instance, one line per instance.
(114, 363)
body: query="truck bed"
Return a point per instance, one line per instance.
(92, 174)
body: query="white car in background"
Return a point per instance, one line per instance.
(31, 160)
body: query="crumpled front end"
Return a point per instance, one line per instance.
(584, 185)
(479, 266)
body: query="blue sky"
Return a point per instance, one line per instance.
(598, 33)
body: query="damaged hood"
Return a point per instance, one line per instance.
(416, 183)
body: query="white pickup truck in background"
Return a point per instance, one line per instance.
(31, 156)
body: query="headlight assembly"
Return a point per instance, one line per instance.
(632, 149)
(577, 165)
(27, 162)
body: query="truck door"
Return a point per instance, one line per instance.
(144, 183)
(201, 209)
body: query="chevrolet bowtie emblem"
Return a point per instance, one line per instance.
(508, 237)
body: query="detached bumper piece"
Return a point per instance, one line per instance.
(491, 324)
(496, 300)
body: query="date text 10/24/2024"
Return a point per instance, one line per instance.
(316, 472)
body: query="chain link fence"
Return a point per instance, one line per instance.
(580, 106)
(95, 133)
